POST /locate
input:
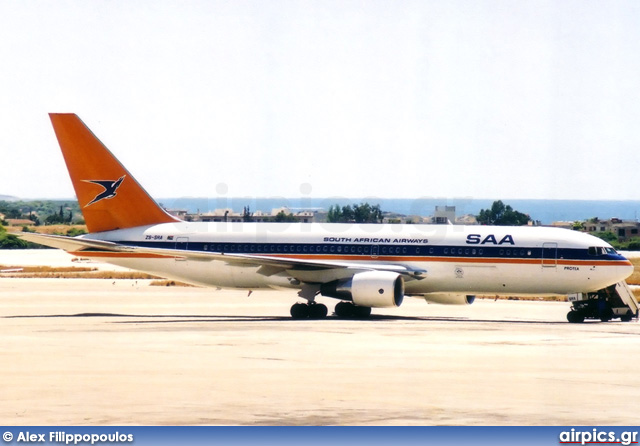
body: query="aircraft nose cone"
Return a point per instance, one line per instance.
(625, 267)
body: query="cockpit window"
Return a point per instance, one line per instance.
(600, 251)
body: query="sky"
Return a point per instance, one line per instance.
(391, 99)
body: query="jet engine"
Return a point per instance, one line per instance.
(368, 289)
(449, 298)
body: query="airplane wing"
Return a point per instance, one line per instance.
(306, 270)
(67, 243)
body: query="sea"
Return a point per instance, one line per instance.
(544, 211)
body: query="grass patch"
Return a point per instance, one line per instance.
(51, 229)
(634, 279)
(70, 272)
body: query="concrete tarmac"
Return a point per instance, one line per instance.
(99, 352)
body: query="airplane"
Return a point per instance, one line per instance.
(363, 266)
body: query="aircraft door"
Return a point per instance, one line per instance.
(182, 243)
(375, 250)
(549, 255)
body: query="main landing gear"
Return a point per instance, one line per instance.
(313, 310)
(348, 310)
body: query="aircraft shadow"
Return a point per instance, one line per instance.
(182, 318)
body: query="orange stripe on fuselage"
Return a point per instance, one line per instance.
(395, 259)
(121, 255)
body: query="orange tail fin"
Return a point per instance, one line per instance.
(109, 197)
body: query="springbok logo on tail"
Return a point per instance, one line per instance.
(109, 186)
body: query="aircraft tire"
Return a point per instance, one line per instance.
(361, 312)
(606, 315)
(344, 309)
(299, 311)
(575, 317)
(317, 311)
(626, 318)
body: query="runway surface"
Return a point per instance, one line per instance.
(79, 351)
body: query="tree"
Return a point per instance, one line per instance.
(358, 213)
(54, 219)
(347, 214)
(502, 215)
(365, 213)
(73, 232)
(607, 236)
(246, 214)
(10, 241)
(283, 217)
(633, 244)
(335, 214)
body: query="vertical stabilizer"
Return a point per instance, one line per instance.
(109, 197)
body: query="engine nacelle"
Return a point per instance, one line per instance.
(369, 289)
(449, 298)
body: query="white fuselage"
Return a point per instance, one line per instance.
(461, 259)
